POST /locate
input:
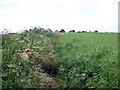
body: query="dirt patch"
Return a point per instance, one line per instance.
(48, 70)
(47, 81)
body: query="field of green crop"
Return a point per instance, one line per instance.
(70, 60)
(88, 60)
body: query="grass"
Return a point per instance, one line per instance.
(93, 55)
(78, 60)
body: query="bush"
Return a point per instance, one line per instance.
(19, 73)
(72, 31)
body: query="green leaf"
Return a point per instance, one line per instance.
(11, 65)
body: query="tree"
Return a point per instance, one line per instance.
(84, 31)
(56, 31)
(96, 31)
(62, 30)
(72, 31)
(49, 30)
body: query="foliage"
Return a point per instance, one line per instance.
(80, 59)
(19, 73)
(96, 31)
(87, 60)
(62, 31)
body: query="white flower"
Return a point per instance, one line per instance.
(83, 74)
(21, 80)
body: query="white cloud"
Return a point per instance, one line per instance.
(57, 14)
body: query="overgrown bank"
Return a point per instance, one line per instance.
(32, 73)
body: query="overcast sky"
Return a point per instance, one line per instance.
(88, 15)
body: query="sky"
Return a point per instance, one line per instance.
(79, 15)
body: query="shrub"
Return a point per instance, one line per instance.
(18, 73)
(72, 31)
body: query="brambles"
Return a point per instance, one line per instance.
(19, 73)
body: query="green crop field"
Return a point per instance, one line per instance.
(88, 60)
(70, 60)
